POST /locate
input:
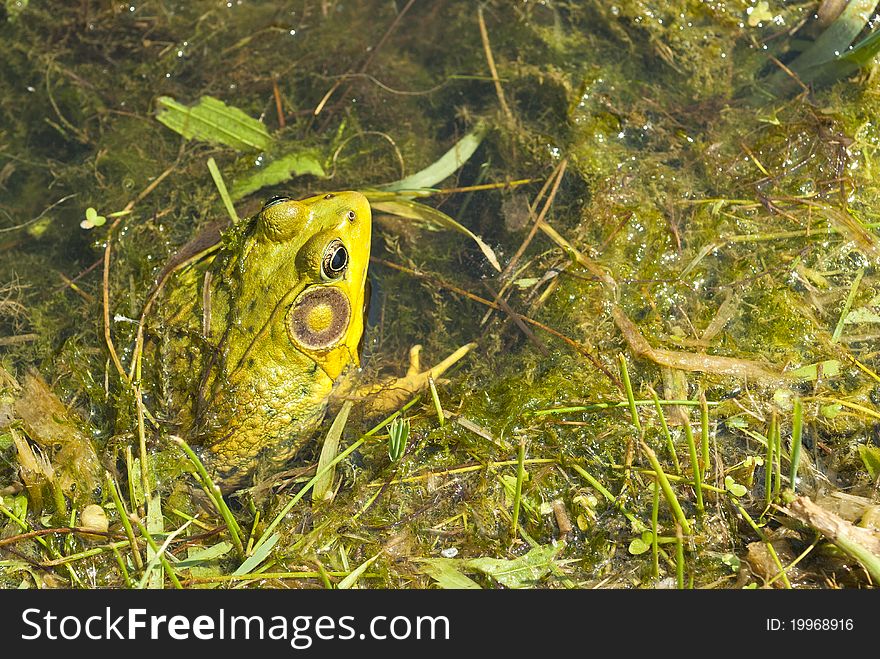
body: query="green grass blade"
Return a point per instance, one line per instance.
(517, 497)
(221, 188)
(668, 492)
(695, 464)
(329, 450)
(445, 166)
(630, 397)
(433, 218)
(352, 578)
(260, 554)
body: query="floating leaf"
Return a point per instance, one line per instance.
(447, 575)
(257, 558)
(871, 457)
(398, 205)
(300, 163)
(520, 572)
(92, 219)
(211, 120)
(445, 166)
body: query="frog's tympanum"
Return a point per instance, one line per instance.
(255, 329)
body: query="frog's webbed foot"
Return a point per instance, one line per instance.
(387, 397)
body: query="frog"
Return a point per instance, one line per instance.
(253, 328)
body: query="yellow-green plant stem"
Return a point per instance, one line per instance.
(598, 407)
(668, 493)
(160, 554)
(695, 465)
(630, 397)
(797, 429)
(122, 569)
(679, 559)
(670, 444)
(637, 524)
(221, 188)
(768, 461)
(704, 435)
(655, 529)
(216, 496)
(517, 497)
(24, 526)
(770, 549)
(126, 522)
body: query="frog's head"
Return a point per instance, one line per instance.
(307, 261)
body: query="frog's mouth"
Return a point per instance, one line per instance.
(319, 318)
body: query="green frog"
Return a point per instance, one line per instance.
(251, 330)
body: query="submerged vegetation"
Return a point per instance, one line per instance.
(656, 221)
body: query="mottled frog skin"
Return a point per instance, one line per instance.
(251, 333)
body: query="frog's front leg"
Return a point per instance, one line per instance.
(386, 397)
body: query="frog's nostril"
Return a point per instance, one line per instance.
(351, 215)
(329, 195)
(272, 201)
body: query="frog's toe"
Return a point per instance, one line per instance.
(389, 396)
(414, 360)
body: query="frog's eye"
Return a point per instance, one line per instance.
(277, 199)
(334, 261)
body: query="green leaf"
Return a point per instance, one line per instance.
(448, 163)
(733, 487)
(299, 163)
(199, 557)
(257, 558)
(520, 572)
(211, 120)
(446, 574)
(398, 205)
(92, 219)
(871, 457)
